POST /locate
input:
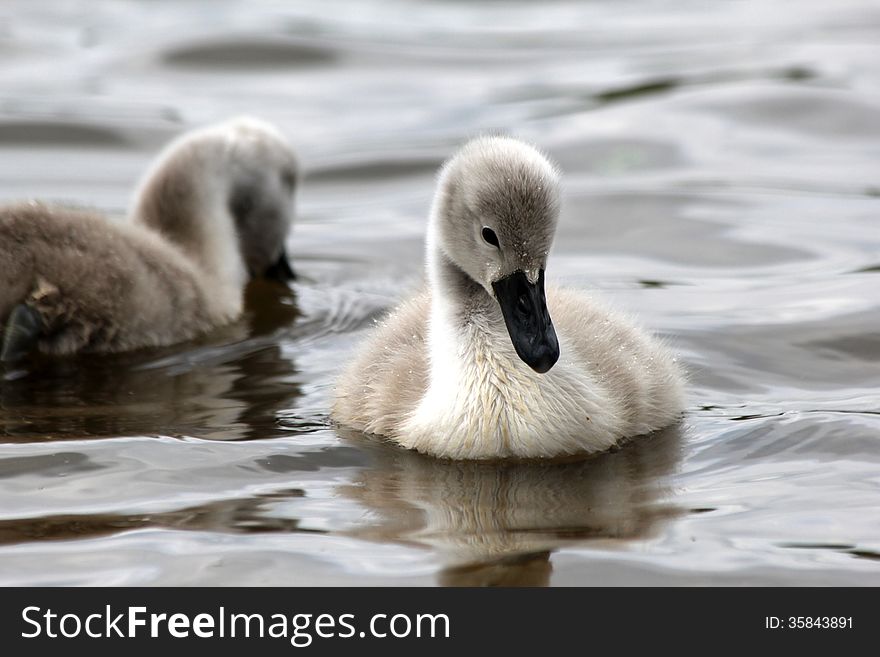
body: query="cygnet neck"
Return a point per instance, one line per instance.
(456, 299)
(185, 199)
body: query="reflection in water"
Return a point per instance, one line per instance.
(496, 523)
(235, 516)
(489, 523)
(519, 570)
(277, 510)
(227, 386)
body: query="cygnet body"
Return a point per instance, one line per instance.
(212, 213)
(474, 367)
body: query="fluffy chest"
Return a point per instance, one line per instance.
(483, 402)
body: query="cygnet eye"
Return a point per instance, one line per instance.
(490, 237)
(288, 179)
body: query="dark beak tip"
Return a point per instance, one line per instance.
(281, 270)
(524, 308)
(545, 362)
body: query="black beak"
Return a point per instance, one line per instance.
(281, 271)
(524, 308)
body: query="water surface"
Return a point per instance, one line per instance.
(721, 181)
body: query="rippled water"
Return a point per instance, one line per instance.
(721, 175)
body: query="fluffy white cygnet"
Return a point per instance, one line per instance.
(482, 365)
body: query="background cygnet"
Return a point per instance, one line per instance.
(212, 213)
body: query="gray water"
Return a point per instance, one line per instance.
(721, 181)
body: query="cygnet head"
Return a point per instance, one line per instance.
(494, 218)
(224, 193)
